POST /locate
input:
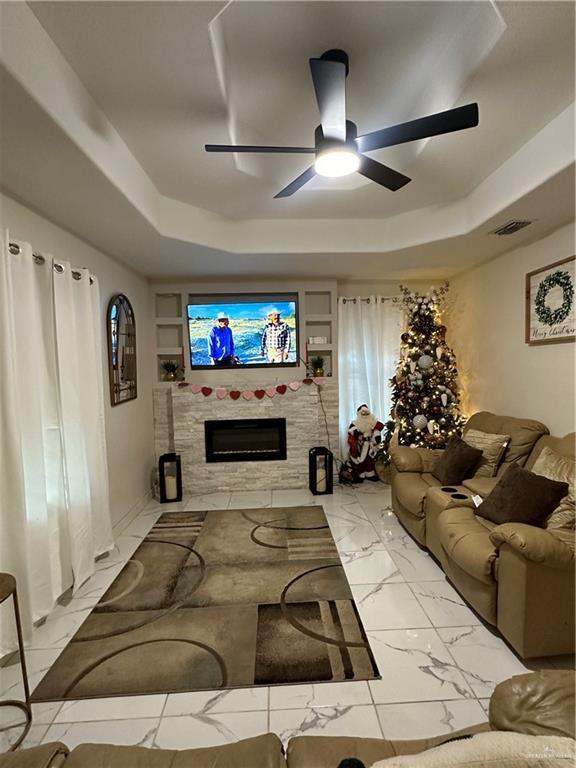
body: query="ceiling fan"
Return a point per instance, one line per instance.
(338, 148)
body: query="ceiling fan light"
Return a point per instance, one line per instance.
(337, 162)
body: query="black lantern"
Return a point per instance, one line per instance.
(320, 471)
(170, 473)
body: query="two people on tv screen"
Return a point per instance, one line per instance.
(274, 344)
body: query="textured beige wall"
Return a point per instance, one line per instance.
(485, 320)
(129, 427)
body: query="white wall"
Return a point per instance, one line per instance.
(499, 371)
(351, 288)
(129, 426)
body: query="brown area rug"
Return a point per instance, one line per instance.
(219, 599)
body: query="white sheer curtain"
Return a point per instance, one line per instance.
(54, 509)
(368, 348)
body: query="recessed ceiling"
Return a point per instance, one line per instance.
(152, 68)
(172, 76)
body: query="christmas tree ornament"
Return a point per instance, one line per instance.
(439, 351)
(405, 338)
(425, 362)
(412, 366)
(420, 421)
(430, 426)
(444, 399)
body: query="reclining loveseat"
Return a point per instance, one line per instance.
(519, 578)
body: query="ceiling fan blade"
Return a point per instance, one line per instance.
(249, 148)
(434, 125)
(295, 185)
(381, 174)
(329, 78)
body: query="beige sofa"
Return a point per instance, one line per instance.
(538, 704)
(518, 577)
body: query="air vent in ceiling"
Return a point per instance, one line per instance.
(510, 227)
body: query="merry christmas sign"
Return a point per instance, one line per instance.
(550, 315)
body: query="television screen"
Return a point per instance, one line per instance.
(243, 331)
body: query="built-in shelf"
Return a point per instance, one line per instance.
(317, 319)
(170, 330)
(163, 355)
(318, 302)
(170, 351)
(169, 335)
(169, 306)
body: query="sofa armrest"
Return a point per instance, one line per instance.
(413, 459)
(329, 751)
(538, 703)
(554, 549)
(51, 755)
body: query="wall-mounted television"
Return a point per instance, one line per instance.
(243, 330)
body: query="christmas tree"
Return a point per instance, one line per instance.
(425, 395)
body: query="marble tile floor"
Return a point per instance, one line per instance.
(439, 663)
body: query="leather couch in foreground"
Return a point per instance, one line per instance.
(539, 704)
(519, 578)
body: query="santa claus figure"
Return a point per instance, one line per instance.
(363, 439)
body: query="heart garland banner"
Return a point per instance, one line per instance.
(248, 394)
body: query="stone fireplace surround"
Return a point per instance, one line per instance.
(179, 417)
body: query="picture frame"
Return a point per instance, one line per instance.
(550, 303)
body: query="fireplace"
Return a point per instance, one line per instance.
(245, 440)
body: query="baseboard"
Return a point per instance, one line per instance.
(134, 511)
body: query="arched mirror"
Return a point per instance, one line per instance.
(121, 350)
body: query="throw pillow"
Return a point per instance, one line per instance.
(492, 447)
(457, 462)
(494, 749)
(554, 466)
(522, 497)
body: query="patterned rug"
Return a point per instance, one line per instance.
(219, 599)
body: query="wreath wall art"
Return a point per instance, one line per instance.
(550, 299)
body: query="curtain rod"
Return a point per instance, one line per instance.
(354, 299)
(16, 250)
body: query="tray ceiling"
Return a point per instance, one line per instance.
(173, 76)
(137, 88)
